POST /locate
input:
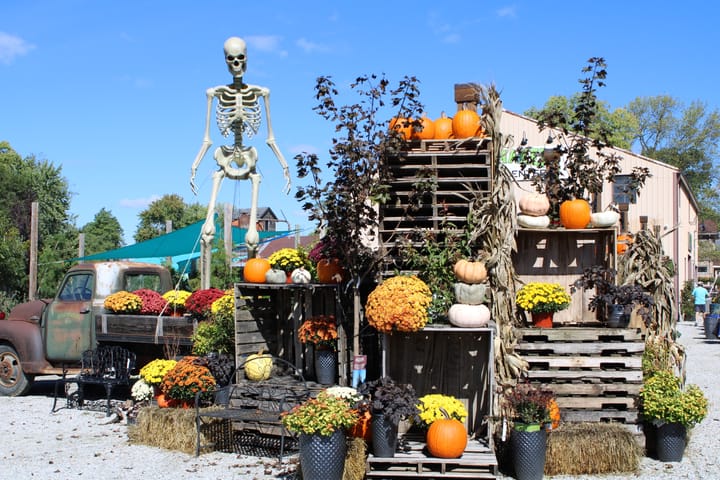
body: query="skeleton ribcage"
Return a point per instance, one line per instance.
(238, 114)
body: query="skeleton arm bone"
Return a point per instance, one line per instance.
(207, 142)
(265, 92)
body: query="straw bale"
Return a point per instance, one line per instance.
(591, 448)
(355, 459)
(169, 428)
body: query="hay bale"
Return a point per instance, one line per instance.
(169, 428)
(591, 448)
(355, 459)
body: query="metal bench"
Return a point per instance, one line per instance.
(253, 405)
(109, 366)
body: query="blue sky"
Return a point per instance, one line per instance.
(114, 92)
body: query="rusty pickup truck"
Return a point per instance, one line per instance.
(48, 337)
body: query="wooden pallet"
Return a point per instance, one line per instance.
(595, 373)
(478, 461)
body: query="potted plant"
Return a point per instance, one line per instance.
(123, 302)
(321, 423)
(288, 259)
(152, 302)
(436, 406)
(400, 303)
(542, 300)
(189, 376)
(389, 402)
(672, 409)
(325, 256)
(321, 332)
(530, 409)
(614, 302)
(199, 303)
(176, 300)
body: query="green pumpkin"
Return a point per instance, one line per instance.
(275, 275)
(470, 293)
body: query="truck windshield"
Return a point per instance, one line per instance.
(137, 281)
(77, 287)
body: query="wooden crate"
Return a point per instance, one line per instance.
(478, 461)
(451, 167)
(267, 317)
(595, 373)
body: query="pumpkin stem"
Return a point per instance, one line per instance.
(444, 412)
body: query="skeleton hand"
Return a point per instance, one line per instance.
(193, 187)
(286, 174)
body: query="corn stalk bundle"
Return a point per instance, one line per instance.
(646, 264)
(495, 230)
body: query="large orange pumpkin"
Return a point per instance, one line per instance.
(470, 272)
(402, 125)
(330, 271)
(425, 131)
(466, 123)
(443, 127)
(446, 438)
(255, 270)
(575, 213)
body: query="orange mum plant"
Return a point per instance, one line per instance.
(399, 303)
(319, 330)
(189, 376)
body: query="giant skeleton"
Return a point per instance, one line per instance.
(238, 113)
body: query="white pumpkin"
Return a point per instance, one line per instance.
(275, 275)
(300, 275)
(604, 219)
(529, 221)
(470, 294)
(534, 204)
(258, 367)
(469, 316)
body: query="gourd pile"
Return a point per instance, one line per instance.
(465, 124)
(470, 310)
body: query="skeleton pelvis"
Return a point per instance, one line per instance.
(244, 157)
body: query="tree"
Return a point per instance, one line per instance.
(344, 207)
(103, 233)
(169, 207)
(620, 124)
(686, 137)
(27, 180)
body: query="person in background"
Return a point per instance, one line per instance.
(700, 295)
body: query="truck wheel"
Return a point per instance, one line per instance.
(13, 381)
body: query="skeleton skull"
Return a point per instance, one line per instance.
(236, 56)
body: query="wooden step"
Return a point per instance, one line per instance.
(478, 461)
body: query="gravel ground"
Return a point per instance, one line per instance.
(81, 444)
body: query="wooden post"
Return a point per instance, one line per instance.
(168, 229)
(227, 229)
(32, 283)
(81, 245)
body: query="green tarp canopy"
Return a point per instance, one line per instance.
(182, 242)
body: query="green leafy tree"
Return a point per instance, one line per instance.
(686, 137)
(54, 258)
(103, 233)
(620, 124)
(169, 207)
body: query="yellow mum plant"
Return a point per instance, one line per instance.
(288, 259)
(399, 303)
(123, 302)
(431, 407)
(538, 297)
(176, 298)
(154, 371)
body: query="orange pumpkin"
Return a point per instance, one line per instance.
(466, 123)
(443, 127)
(554, 413)
(575, 213)
(470, 272)
(165, 402)
(623, 243)
(401, 125)
(425, 131)
(446, 438)
(330, 271)
(255, 270)
(361, 429)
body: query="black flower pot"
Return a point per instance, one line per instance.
(670, 442)
(528, 452)
(325, 366)
(384, 436)
(617, 317)
(323, 456)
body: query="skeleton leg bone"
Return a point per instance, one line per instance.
(252, 239)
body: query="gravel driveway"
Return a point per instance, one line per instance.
(71, 444)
